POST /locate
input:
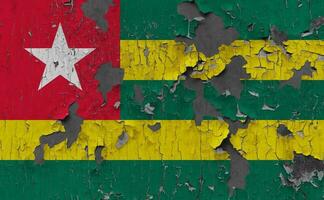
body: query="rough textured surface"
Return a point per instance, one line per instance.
(164, 180)
(295, 81)
(96, 10)
(239, 168)
(139, 98)
(72, 126)
(278, 36)
(265, 60)
(134, 140)
(34, 24)
(108, 77)
(261, 141)
(201, 107)
(229, 80)
(234, 126)
(314, 27)
(210, 33)
(98, 156)
(283, 130)
(258, 100)
(252, 19)
(175, 140)
(155, 127)
(122, 140)
(199, 114)
(304, 169)
(190, 11)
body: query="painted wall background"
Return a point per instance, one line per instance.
(180, 100)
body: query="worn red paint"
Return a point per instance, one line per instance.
(25, 24)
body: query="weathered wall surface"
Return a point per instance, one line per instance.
(172, 99)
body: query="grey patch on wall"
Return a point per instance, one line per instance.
(318, 22)
(187, 41)
(303, 169)
(233, 126)
(201, 106)
(283, 130)
(210, 33)
(295, 80)
(72, 125)
(53, 139)
(122, 140)
(96, 10)
(146, 52)
(228, 81)
(278, 36)
(190, 11)
(98, 156)
(230, 78)
(239, 167)
(39, 154)
(108, 77)
(139, 98)
(155, 127)
(315, 25)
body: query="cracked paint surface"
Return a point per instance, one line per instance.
(251, 19)
(259, 100)
(265, 61)
(175, 140)
(193, 100)
(261, 142)
(164, 180)
(22, 28)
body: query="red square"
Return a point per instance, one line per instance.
(33, 24)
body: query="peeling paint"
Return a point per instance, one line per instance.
(278, 36)
(208, 96)
(260, 140)
(96, 11)
(175, 140)
(210, 32)
(265, 61)
(239, 168)
(72, 126)
(155, 127)
(295, 81)
(98, 156)
(230, 79)
(108, 77)
(304, 169)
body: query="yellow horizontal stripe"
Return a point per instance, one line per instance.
(176, 140)
(166, 59)
(260, 140)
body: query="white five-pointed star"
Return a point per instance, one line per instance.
(60, 60)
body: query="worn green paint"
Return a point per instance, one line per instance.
(78, 180)
(291, 103)
(144, 19)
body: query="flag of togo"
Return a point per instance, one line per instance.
(121, 99)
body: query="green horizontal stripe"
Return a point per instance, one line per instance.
(290, 103)
(78, 180)
(144, 19)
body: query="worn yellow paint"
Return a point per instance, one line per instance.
(260, 140)
(176, 140)
(18, 138)
(167, 59)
